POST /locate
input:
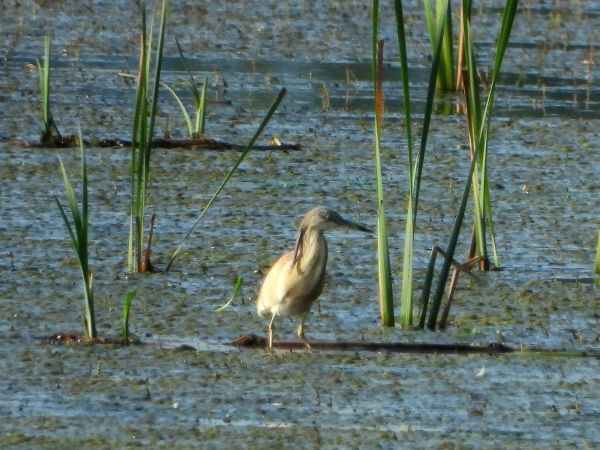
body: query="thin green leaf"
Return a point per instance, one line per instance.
(191, 84)
(242, 156)
(186, 116)
(236, 290)
(126, 312)
(597, 265)
(201, 109)
(386, 299)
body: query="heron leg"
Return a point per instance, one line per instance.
(271, 332)
(301, 331)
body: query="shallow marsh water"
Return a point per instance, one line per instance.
(545, 190)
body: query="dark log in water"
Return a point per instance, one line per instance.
(199, 143)
(254, 341)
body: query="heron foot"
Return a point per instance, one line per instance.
(301, 336)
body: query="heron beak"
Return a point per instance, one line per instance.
(355, 226)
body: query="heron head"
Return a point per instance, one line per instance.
(323, 218)
(320, 219)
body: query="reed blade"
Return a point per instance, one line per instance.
(201, 109)
(236, 290)
(386, 300)
(406, 305)
(597, 265)
(126, 313)
(199, 98)
(446, 76)
(44, 72)
(474, 119)
(442, 15)
(188, 120)
(427, 288)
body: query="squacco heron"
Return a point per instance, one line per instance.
(296, 280)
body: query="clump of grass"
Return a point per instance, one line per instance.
(78, 232)
(242, 156)
(143, 133)
(49, 128)
(195, 128)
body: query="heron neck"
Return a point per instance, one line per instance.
(314, 249)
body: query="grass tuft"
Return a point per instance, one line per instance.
(49, 128)
(143, 132)
(78, 232)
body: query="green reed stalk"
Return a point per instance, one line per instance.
(416, 167)
(126, 312)
(443, 13)
(480, 138)
(78, 232)
(474, 121)
(597, 265)
(242, 156)
(386, 298)
(143, 133)
(477, 125)
(48, 124)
